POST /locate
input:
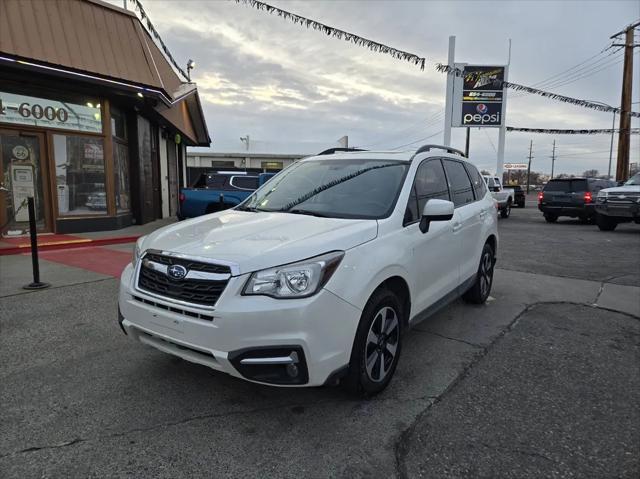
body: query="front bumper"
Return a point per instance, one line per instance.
(627, 210)
(321, 328)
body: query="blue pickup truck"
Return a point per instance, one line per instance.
(219, 190)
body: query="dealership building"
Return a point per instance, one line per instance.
(95, 117)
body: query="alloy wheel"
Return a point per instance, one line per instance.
(382, 344)
(486, 273)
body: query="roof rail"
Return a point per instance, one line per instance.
(331, 151)
(448, 149)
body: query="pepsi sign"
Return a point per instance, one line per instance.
(479, 94)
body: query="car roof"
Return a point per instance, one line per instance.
(404, 156)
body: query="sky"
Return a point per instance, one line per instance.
(293, 89)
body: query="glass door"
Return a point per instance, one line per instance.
(22, 174)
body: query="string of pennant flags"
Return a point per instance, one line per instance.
(337, 33)
(147, 21)
(551, 131)
(527, 89)
(412, 57)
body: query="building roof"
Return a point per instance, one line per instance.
(109, 43)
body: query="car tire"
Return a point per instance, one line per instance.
(377, 345)
(606, 223)
(481, 288)
(550, 218)
(506, 211)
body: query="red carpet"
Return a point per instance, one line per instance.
(99, 260)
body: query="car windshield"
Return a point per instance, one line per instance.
(634, 180)
(358, 188)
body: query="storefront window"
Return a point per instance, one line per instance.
(80, 176)
(120, 159)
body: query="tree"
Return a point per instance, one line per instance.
(591, 174)
(485, 173)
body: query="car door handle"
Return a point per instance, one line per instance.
(483, 213)
(456, 227)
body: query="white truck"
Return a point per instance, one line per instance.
(503, 196)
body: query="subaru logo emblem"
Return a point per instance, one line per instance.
(176, 271)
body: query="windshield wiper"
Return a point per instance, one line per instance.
(299, 211)
(331, 184)
(247, 208)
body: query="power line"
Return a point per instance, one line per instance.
(423, 123)
(416, 141)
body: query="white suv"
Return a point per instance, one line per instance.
(315, 277)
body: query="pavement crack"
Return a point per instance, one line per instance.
(448, 337)
(600, 290)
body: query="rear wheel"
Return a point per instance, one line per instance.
(551, 218)
(506, 211)
(377, 345)
(606, 223)
(481, 288)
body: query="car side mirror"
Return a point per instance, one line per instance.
(435, 210)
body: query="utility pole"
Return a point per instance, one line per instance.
(553, 158)
(448, 112)
(529, 166)
(622, 170)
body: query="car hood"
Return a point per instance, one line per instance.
(258, 240)
(622, 189)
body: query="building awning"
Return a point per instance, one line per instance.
(95, 41)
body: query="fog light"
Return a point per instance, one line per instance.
(292, 370)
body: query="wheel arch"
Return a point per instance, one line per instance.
(399, 286)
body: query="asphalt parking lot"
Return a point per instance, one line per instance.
(543, 380)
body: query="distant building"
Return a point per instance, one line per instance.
(251, 153)
(94, 119)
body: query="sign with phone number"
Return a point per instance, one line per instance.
(27, 110)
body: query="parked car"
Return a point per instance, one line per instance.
(620, 204)
(519, 196)
(313, 279)
(503, 196)
(219, 190)
(573, 197)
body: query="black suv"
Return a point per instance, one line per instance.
(574, 197)
(518, 196)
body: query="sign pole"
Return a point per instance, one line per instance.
(466, 143)
(503, 128)
(448, 107)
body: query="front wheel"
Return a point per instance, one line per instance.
(377, 345)
(481, 288)
(550, 218)
(606, 223)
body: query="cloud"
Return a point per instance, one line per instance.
(279, 82)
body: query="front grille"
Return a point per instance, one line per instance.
(184, 312)
(188, 263)
(197, 291)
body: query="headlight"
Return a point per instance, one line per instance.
(296, 280)
(602, 196)
(137, 250)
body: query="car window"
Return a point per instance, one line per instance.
(245, 182)
(459, 183)
(479, 186)
(216, 181)
(563, 186)
(579, 186)
(411, 214)
(430, 183)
